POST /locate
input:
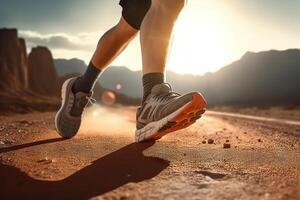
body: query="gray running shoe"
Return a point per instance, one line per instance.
(165, 111)
(68, 118)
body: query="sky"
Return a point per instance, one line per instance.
(209, 34)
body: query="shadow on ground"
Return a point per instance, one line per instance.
(22, 146)
(114, 170)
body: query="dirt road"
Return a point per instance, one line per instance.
(102, 162)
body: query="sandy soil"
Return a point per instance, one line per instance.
(102, 162)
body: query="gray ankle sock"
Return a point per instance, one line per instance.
(150, 80)
(86, 82)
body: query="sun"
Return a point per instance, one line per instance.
(198, 44)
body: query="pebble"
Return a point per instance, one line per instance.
(46, 160)
(259, 140)
(203, 142)
(227, 140)
(226, 145)
(123, 197)
(210, 141)
(9, 142)
(25, 122)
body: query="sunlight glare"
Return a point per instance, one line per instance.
(198, 44)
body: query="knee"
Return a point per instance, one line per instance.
(124, 31)
(172, 7)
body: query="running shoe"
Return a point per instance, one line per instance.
(68, 118)
(165, 111)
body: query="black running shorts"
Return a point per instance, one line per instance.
(134, 11)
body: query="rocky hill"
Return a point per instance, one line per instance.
(43, 78)
(31, 82)
(13, 62)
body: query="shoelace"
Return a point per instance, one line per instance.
(77, 108)
(166, 97)
(91, 100)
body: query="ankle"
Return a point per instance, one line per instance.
(150, 80)
(86, 82)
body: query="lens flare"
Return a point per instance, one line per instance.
(119, 86)
(108, 98)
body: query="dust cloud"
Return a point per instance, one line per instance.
(100, 120)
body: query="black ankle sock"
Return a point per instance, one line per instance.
(85, 83)
(150, 80)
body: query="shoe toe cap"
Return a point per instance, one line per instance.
(66, 128)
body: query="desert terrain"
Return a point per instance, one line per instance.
(219, 157)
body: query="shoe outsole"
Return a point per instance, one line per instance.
(63, 132)
(180, 119)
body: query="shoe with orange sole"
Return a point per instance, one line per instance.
(165, 111)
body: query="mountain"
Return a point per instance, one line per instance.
(65, 66)
(270, 77)
(130, 81)
(263, 78)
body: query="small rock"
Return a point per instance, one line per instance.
(9, 142)
(2, 128)
(123, 197)
(184, 154)
(259, 140)
(245, 132)
(45, 160)
(2, 143)
(203, 142)
(227, 140)
(25, 122)
(210, 141)
(226, 145)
